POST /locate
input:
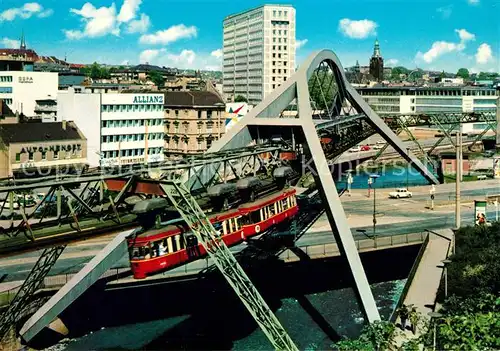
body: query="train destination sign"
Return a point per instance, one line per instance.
(148, 99)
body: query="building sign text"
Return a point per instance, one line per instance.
(25, 79)
(148, 99)
(53, 148)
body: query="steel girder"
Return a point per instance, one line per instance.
(32, 283)
(211, 240)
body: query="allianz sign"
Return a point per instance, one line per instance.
(148, 99)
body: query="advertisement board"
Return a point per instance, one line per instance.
(496, 167)
(480, 212)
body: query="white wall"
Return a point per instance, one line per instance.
(85, 111)
(27, 87)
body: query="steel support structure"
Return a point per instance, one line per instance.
(297, 89)
(32, 283)
(206, 234)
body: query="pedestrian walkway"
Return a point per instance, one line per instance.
(425, 283)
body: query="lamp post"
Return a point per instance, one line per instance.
(374, 177)
(407, 168)
(445, 264)
(434, 315)
(349, 181)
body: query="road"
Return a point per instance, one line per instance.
(393, 217)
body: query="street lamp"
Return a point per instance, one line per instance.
(434, 315)
(407, 168)
(446, 263)
(374, 177)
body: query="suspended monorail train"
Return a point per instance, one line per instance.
(159, 249)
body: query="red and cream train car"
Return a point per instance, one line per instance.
(162, 249)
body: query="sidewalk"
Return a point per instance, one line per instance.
(423, 288)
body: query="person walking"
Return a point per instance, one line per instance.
(414, 320)
(403, 315)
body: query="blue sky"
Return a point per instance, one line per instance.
(429, 34)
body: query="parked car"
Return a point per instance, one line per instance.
(378, 147)
(365, 148)
(355, 149)
(381, 142)
(399, 193)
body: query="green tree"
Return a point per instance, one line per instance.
(156, 78)
(240, 98)
(442, 75)
(463, 73)
(95, 71)
(322, 87)
(397, 71)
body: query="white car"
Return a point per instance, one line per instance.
(399, 193)
(355, 149)
(378, 147)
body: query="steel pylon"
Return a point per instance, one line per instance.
(30, 286)
(200, 225)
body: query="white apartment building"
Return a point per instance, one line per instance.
(121, 129)
(21, 89)
(394, 100)
(259, 51)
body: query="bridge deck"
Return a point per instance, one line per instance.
(423, 288)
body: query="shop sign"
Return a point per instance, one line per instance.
(53, 148)
(148, 99)
(25, 80)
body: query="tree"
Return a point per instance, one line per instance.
(463, 73)
(95, 71)
(240, 98)
(397, 71)
(442, 75)
(322, 89)
(156, 78)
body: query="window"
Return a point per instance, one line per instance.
(199, 114)
(286, 13)
(209, 114)
(176, 113)
(274, 55)
(18, 155)
(6, 90)
(56, 155)
(199, 145)
(274, 79)
(274, 63)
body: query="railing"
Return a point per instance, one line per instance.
(409, 280)
(56, 281)
(332, 249)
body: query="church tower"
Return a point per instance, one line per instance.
(377, 63)
(23, 42)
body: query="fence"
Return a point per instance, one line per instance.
(332, 249)
(56, 281)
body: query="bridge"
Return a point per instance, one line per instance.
(287, 122)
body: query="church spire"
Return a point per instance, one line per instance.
(376, 49)
(23, 41)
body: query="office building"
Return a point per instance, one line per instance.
(37, 149)
(21, 89)
(121, 129)
(193, 121)
(258, 51)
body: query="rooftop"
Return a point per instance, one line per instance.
(256, 8)
(38, 132)
(191, 98)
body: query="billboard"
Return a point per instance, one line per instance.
(480, 212)
(496, 167)
(234, 113)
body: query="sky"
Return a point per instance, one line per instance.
(427, 34)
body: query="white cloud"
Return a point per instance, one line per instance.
(440, 48)
(464, 35)
(216, 53)
(185, 59)
(392, 62)
(26, 11)
(169, 35)
(140, 25)
(128, 10)
(445, 11)
(150, 55)
(484, 54)
(98, 22)
(357, 29)
(473, 2)
(300, 43)
(104, 20)
(10, 43)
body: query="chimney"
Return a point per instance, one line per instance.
(64, 124)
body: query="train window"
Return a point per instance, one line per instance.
(245, 220)
(276, 209)
(230, 225)
(135, 253)
(255, 217)
(218, 228)
(278, 203)
(174, 244)
(181, 240)
(284, 204)
(236, 226)
(224, 227)
(294, 202)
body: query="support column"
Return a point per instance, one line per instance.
(457, 180)
(333, 206)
